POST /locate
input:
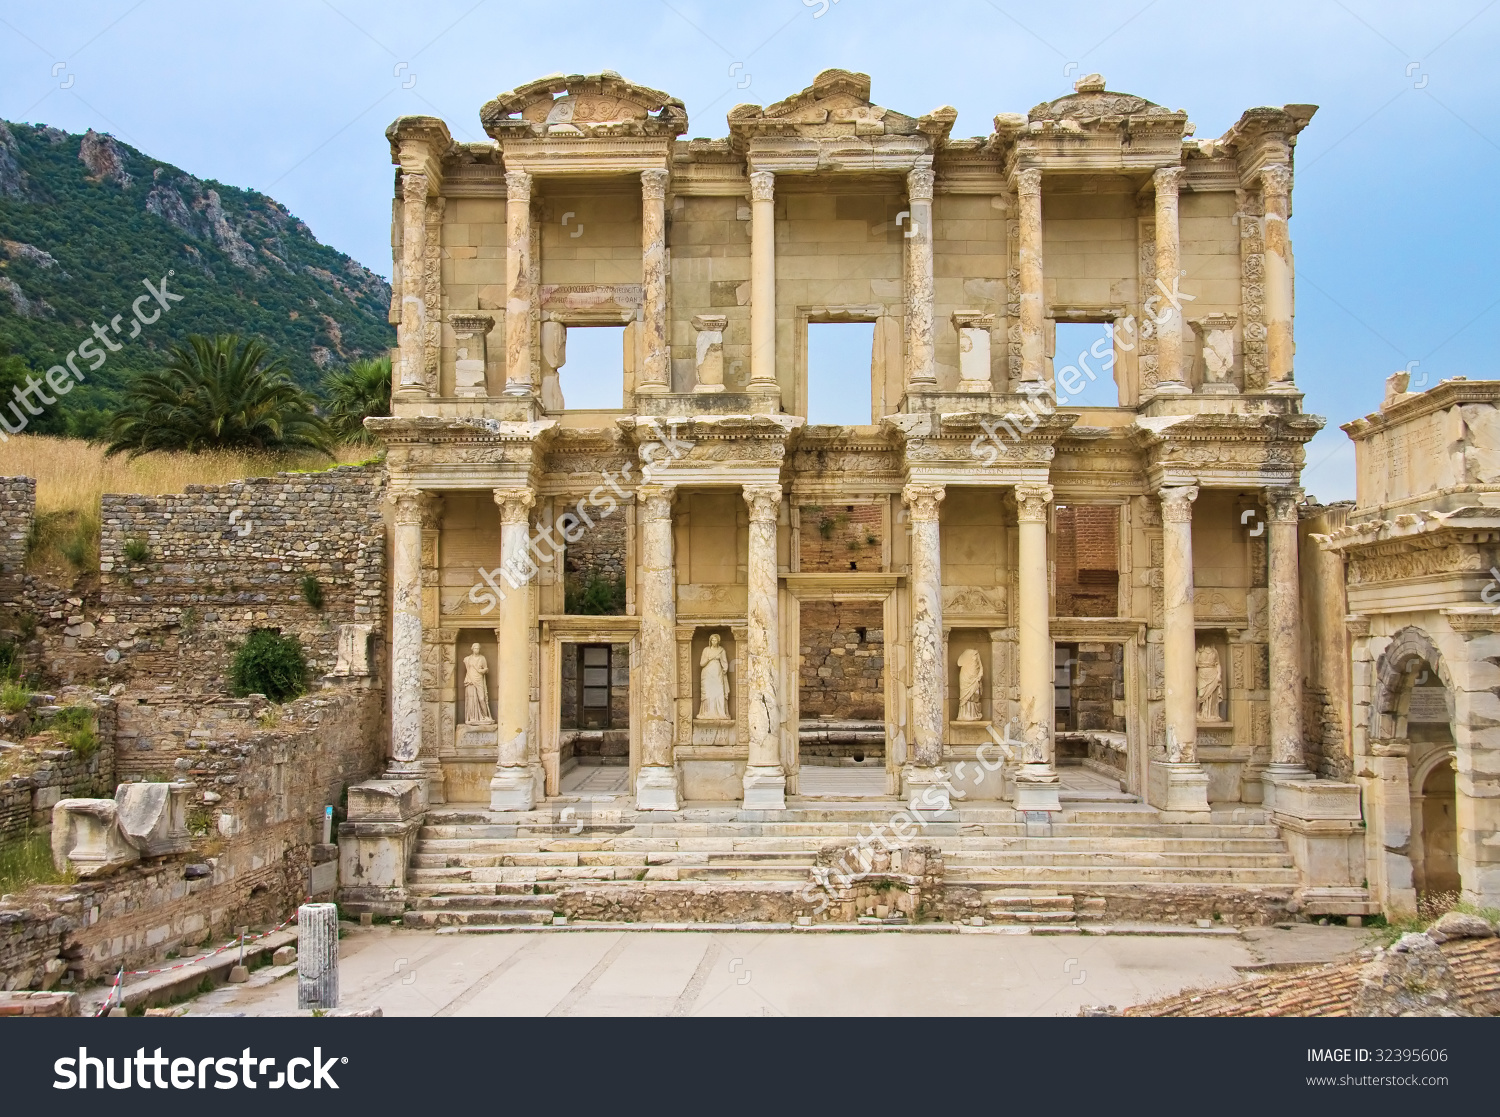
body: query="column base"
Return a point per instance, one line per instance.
(1280, 774)
(708, 389)
(1038, 788)
(764, 399)
(1283, 388)
(1172, 388)
(518, 388)
(512, 789)
(927, 789)
(982, 386)
(418, 771)
(652, 388)
(1178, 789)
(765, 789)
(656, 789)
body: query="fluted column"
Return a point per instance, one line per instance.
(1037, 784)
(765, 780)
(921, 372)
(1179, 783)
(1285, 634)
(1276, 191)
(411, 330)
(928, 715)
(411, 507)
(1033, 303)
(519, 295)
(763, 284)
(656, 367)
(513, 787)
(656, 675)
(1169, 381)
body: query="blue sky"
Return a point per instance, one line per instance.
(1394, 229)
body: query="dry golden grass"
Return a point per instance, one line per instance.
(71, 475)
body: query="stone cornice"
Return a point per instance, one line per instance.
(419, 145)
(1414, 405)
(1418, 530)
(396, 430)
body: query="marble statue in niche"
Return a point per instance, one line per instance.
(714, 681)
(970, 686)
(1210, 684)
(476, 688)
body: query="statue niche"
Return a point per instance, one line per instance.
(970, 686)
(476, 688)
(1210, 684)
(714, 681)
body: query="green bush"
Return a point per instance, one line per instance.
(136, 550)
(595, 598)
(75, 725)
(271, 664)
(10, 660)
(312, 591)
(13, 697)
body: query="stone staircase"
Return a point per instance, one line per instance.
(476, 868)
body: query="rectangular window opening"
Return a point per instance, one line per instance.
(1083, 365)
(1086, 542)
(839, 359)
(592, 376)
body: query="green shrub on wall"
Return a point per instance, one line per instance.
(271, 664)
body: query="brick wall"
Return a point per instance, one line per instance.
(1088, 560)
(835, 535)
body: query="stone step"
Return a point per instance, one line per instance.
(451, 902)
(488, 917)
(1033, 903)
(1109, 857)
(1069, 876)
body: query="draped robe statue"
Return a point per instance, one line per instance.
(970, 686)
(715, 681)
(1210, 684)
(476, 689)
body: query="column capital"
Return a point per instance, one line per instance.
(415, 507)
(654, 184)
(414, 186)
(1276, 179)
(1281, 505)
(1177, 503)
(1032, 502)
(919, 183)
(655, 501)
(515, 504)
(923, 500)
(1029, 182)
(764, 502)
(1168, 180)
(517, 186)
(762, 186)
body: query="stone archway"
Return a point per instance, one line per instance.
(1387, 717)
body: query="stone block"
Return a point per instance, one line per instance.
(153, 816)
(1178, 789)
(86, 838)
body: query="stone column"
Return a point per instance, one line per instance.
(412, 507)
(1276, 192)
(929, 716)
(1033, 303)
(921, 372)
(655, 679)
(1285, 636)
(1179, 784)
(655, 375)
(765, 780)
(1037, 783)
(519, 295)
(411, 330)
(1169, 381)
(513, 787)
(763, 285)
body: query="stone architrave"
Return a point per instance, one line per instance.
(1032, 301)
(713, 681)
(1036, 782)
(1285, 636)
(1169, 374)
(763, 285)
(414, 510)
(1276, 192)
(765, 779)
(921, 371)
(655, 376)
(411, 329)
(519, 293)
(656, 786)
(513, 788)
(477, 688)
(1179, 784)
(709, 359)
(470, 356)
(928, 716)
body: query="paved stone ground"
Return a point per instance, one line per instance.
(695, 973)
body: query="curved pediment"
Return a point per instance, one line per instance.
(1092, 101)
(836, 105)
(602, 104)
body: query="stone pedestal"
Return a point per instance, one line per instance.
(375, 845)
(765, 780)
(87, 840)
(765, 788)
(927, 790)
(1038, 788)
(512, 789)
(1320, 823)
(656, 789)
(1178, 789)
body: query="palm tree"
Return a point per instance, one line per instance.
(218, 393)
(358, 390)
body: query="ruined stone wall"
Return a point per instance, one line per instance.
(220, 561)
(598, 553)
(841, 537)
(42, 771)
(262, 782)
(841, 674)
(17, 511)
